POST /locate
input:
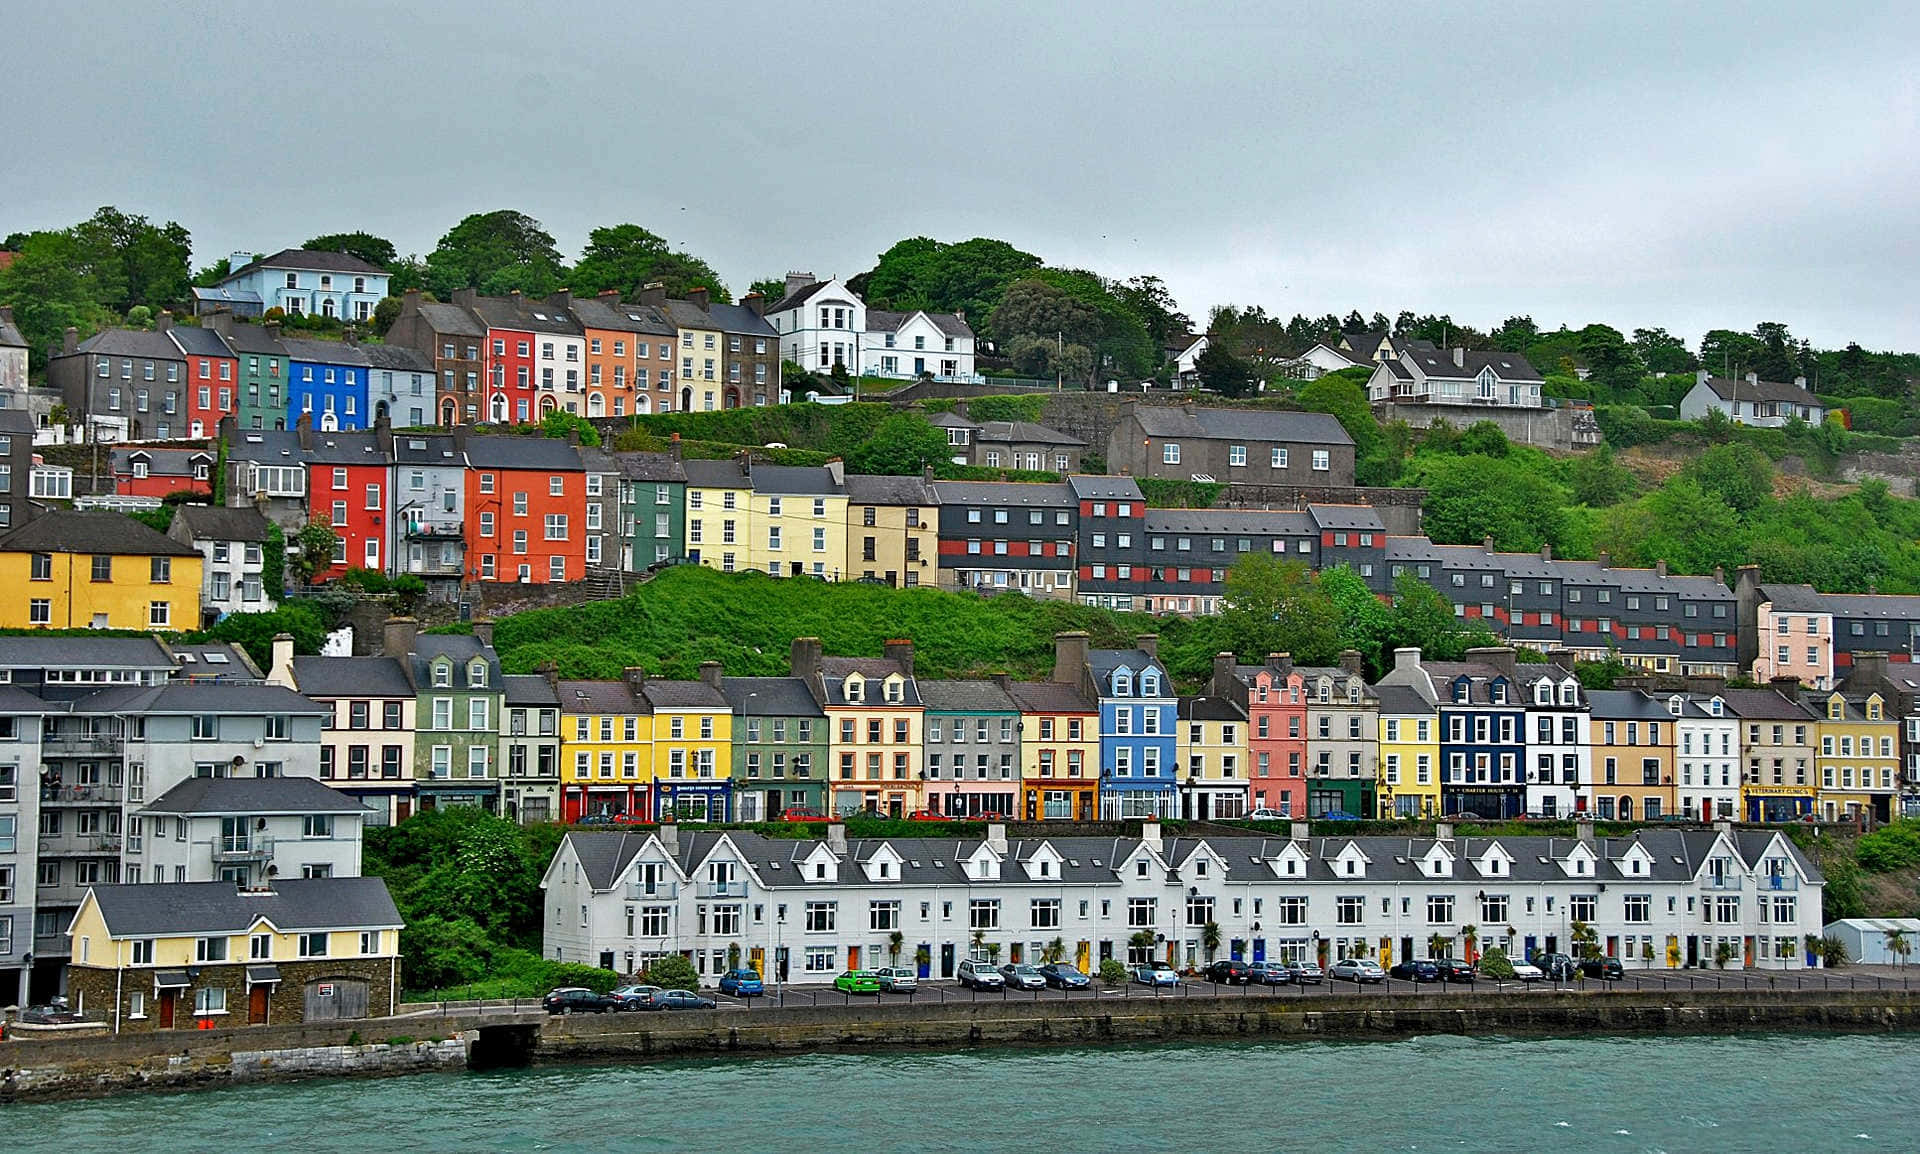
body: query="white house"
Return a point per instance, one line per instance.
(1752, 401)
(13, 361)
(1456, 376)
(1707, 756)
(824, 323)
(804, 911)
(232, 544)
(250, 831)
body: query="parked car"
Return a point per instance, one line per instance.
(1558, 967)
(1528, 972)
(678, 1000)
(1415, 970)
(1265, 814)
(1062, 976)
(858, 982)
(631, 997)
(897, 979)
(1454, 970)
(593, 819)
(980, 975)
(1269, 973)
(1608, 968)
(1337, 815)
(742, 984)
(928, 815)
(1306, 973)
(576, 1000)
(632, 819)
(1023, 976)
(1230, 972)
(800, 813)
(1358, 971)
(1156, 974)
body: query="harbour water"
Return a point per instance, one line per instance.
(1787, 1092)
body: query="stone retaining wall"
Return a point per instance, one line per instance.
(41, 1076)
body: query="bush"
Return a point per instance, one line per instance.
(672, 972)
(1113, 973)
(1892, 847)
(1494, 964)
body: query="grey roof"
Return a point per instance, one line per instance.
(264, 795)
(131, 343)
(200, 342)
(347, 447)
(189, 697)
(1094, 487)
(1625, 705)
(966, 697)
(889, 321)
(249, 338)
(604, 696)
(10, 332)
(1873, 606)
(1050, 697)
(1178, 421)
(1402, 700)
(1210, 709)
(651, 467)
(799, 296)
(1795, 598)
(1285, 524)
(704, 473)
(1765, 705)
(335, 677)
(222, 523)
(1728, 389)
(532, 452)
(950, 421)
(461, 649)
(267, 446)
(529, 315)
(1105, 661)
(621, 317)
(874, 671)
(770, 697)
(1005, 493)
(866, 489)
(1361, 517)
(310, 260)
(528, 689)
(725, 318)
(684, 695)
(450, 319)
(421, 448)
(161, 462)
(811, 480)
(197, 908)
(325, 352)
(1507, 366)
(1025, 433)
(39, 652)
(91, 531)
(397, 358)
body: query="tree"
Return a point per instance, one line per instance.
(1278, 606)
(385, 313)
(1611, 361)
(1422, 618)
(773, 288)
(314, 545)
(560, 426)
(921, 273)
(1034, 308)
(895, 941)
(626, 257)
(1113, 972)
(1365, 622)
(1598, 480)
(903, 444)
(255, 632)
(149, 260)
(1210, 939)
(1737, 473)
(1472, 498)
(1662, 352)
(495, 252)
(1149, 300)
(672, 972)
(1586, 942)
(1899, 946)
(1439, 945)
(1054, 951)
(1495, 964)
(1470, 935)
(214, 273)
(1224, 373)
(1346, 400)
(50, 289)
(368, 247)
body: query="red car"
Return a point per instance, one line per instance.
(927, 815)
(802, 815)
(632, 819)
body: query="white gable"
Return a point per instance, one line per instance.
(1635, 863)
(1578, 862)
(1437, 862)
(1043, 864)
(983, 864)
(1290, 862)
(883, 864)
(819, 865)
(1496, 862)
(1350, 862)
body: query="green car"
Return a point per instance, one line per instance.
(858, 982)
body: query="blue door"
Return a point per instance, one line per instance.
(926, 951)
(1259, 949)
(1528, 955)
(1237, 950)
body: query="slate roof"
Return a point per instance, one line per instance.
(223, 523)
(1873, 606)
(606, 696)
(810, 480)
(1361, 517)
(528, 690)
(325, 352)
(1180, 422)
(530, 315)
(248, 338)
(1402, 700)
(621, 317)
(950, 421)
(131, 343)
(1438, 364)
(397, 358)
(1210, 709)
(264, 795)
(40, 652)
(888, 321)
(161, 462)
(725, 318)
(9, 331)
(1105, 661)
(1625, 705)
(310, 260)
(461, 649)
(684, 695)
(418, 448)
(636, 466)
(202, 908)
(335, 677)
(1197, 521)
(1006, 493)
(536, 453)
(1025, 433)
(1765, 705)
(200, 342)
(179, 697)
(1727, 389)
(709, 474)
(966, 697)
(866, 489)
(1050, 697)
(834, 672)
(347, 447)
(452, 320)
(798, 296)
(770, 697)
(1092, 487)
(92, 531)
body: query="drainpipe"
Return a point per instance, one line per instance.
(119, 975)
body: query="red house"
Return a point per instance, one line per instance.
(349, 478)
(212, 369)
(1275, 697)
(140, 471)
(526, 510)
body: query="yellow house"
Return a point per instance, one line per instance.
(719, 514)
(193, 954)
(892, 530)
(1409, 754)
(1059, 751)
(692, 747)
(782, 520)
(1859, 758)
(1210, 747)
(606, 747)
(97, 570)
(875, 726)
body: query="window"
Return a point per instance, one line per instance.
(1170, 453)
(820, 917)
(210, 950)
(210, 999)
(313, 945)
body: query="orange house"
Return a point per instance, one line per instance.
(629, 353)
(526, 510)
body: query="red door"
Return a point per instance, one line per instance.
(257, 1006)
(166, 1009)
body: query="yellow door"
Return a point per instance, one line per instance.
(1082, 954)
(758, 960)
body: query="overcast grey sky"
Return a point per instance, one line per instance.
(1692, 165)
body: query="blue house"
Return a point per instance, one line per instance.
(1483, 739)
(1138, 723)
(328, 380)
(300, 283)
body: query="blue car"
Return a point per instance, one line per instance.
(1338, 815)
(742, 984)
(1156, 974)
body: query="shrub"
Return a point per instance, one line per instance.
(1892, 847)
(1494, 964)
(1112, 972)
(672, 972)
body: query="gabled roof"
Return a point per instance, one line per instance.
(801, 295)
(1180, 421)
(1625, 705)
(325, 352)
(874, 671)
(208, 908)
(335, 677)
(92, 531)
(161, 461)
(622, 317)
(1025, 433)
(530, 314)
(528, 690)
(458, 648)
(770, 697)
(1198, 521)
(1104, 661)
(1402, 700)
(310, 260)
(797, 480)
(252, 795)
(1050, 697)
(200, 342)
(1092, 487)
(1765, 705)
(605, 697)
(451, 319)
(1728, 389)
(534, 452)
(709, 474)
(222, 523)
(251, 338)
(152, 345)
(684, 695)
(865, 489)
(1361, 517)
(1046, 494)
(41, 652)
(397, 358)
(1438, 364)
(888, 321)
(966, 697)
(724, 318)
(1210, 709)
(639, 466)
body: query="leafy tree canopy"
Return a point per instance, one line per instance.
(903, 444)
(626, 257)
(368, 247)
(1223, 372)
(496, 252)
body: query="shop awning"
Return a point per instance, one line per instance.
(263, 975)
(171, 980)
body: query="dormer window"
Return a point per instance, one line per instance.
(1149, 684)
(885, 868)
(1353, 867)
(856, 689)
(1200, 867)
(1674, 705)
(1353, 692)
(1140, 868)
(1873, 709)
(1569, 694)
(1714, 707)
(477, 674)
(442, 674)
(1460, 691)
(1543, 694)
(1122, 683)
(896, 690)
(1046, 869)
(1836, 709)
(1499, 693)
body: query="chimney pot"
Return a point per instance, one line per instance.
(700, 298)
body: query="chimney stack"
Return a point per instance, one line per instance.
(396, 640)
(1350, 660)
(900, 651)
(1799, 382)
(1406, 657)
(669, 835)
(162, 321)
(1583, 822)
(1149, 644)
(997, 836)
(483, 633)
(636, 679)
(282, 671)
(1605, 560)
(1753, 378)
(700, 298)
(799, 280)
(221, 321)
(711, 672)
(804, 658)
(653, 293)
(1498, 656)
(1003, 681)
(1486, 543)
(464, 297)
(1299, 832)
(518, 298)
(1224, 665)
(1069, 657)
(609, 296)
(349, 337)
(837, 838)
(1459, 356)
(551, 672)
(1150, 833)
(1546, 552)
(273, 330)
(562, 301)
(1869, 668)
(1660, 567)
(755, 302)
(673, 447)
(1787, 687)
(70, 341)
(1443, 832)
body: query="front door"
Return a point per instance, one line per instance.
(894, 808)
(853, 957)
(257, 1005)
(167, 998)
(946, 959)
(925, 968)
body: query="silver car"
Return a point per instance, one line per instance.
(1357, 970)
(1023, 976)
(897, 979)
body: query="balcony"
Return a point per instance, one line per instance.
(51, 946)
(81, 845)
(83, 744)
(434, 531)
(658, 891)
(436, 567)
(1776, 883)
(732, 889)
(80, 794)
(242, 849)
(1726, 884)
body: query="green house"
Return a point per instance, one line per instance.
(457, 732)
(779, 747)
(653, 497)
